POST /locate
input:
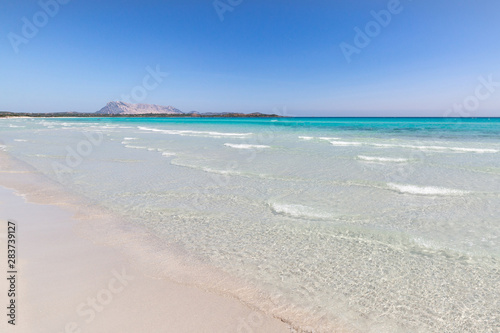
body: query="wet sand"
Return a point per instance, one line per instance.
(68, 283)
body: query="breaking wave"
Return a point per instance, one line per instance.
(425, 190)
(298, 211)
(197, 133)
(245, 146)
(382, 159)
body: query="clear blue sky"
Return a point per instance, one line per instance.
(263, 55)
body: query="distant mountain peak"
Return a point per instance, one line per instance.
(119, 107)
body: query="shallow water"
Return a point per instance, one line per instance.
(373, 224)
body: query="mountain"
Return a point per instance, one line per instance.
(128, 108)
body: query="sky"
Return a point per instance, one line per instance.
(297, 58)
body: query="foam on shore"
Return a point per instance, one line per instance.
(425, 190)
(382, 159)
(245, 146)
(196, 133)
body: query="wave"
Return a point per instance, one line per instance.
(221, 172)
(135, 147)
(421, 147)
(168, 154)
(298, 211)
(438, 148)
(328, 138)
(20, 140)
(229, 171)
(334, 142)
(16, 126)
(3, 147)
(471, 150)
(245, 146)
(110, 127)
(127, 144)
(345, 143)
(197, 133)
(425, 190)
(382, 159)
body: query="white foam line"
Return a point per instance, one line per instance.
(382, 159)
(437, 148)
(298, 211)
(196, 133)
(345, 143)
(388, 145)
(328, 138)
(425, 190)
(245, 146)
(222, 172)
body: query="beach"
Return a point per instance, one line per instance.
(69, 283)
(254, 225)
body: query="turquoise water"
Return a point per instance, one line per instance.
(372, 224)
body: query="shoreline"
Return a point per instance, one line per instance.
(63, 265)
(145, 115)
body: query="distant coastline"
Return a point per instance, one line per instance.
(148, 115)
(125, 110)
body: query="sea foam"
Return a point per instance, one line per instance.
(425, 190)
(334, 142)
(245, 146)
(382, 159)
(298, 211)
(196, 133)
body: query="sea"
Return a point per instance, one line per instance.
(330, 224)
